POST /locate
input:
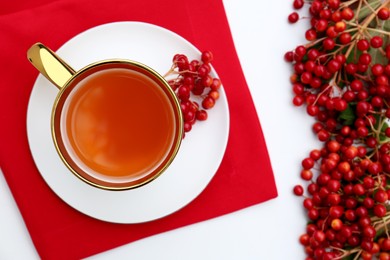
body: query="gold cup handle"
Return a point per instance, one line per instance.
(50, 65)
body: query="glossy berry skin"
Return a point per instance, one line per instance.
(363, 45)
(201, 115)
(384, 13)
(208, 102)
(207, 57)
(376, 42)
(293, 17)
(298, 4)
(298, 190)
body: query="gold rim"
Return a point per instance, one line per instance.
(172, 151)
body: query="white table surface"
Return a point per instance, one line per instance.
(266, 231)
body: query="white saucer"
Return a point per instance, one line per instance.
(200, 154)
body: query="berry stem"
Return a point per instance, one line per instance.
(170, 71)
(378, 31)
(347, 3)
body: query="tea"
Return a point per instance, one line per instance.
(118, 124)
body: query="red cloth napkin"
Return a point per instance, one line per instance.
(59, 232)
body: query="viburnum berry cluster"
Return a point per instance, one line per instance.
(342, 77)
(194, 85)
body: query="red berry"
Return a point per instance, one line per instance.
(385, 245)
(313, 214)
(308, 163)
(311, 35)
(293, 17)
(381, 196)
(334, 4)
(201, 115)
(203, 70)
(323, 135)
(351, 68)
(319, 236)
(312, 110)
(347, 14)
(315, 154)
(363, 45)
(346, 231)
(336, 224)
(380, 210)
(298, 190)
(351, 152)
(331, 32)
(298, 4)
(333, 146)
(321, 25)
(181, 61)
(333, 66)
(214, 94)
(359, 189)
(208, 102)
(298, 89)
(384, 13)
(313, 54)
(336, 16)
(374, 168)
(300, 50)
(387, 132)
(365, 59)
(216, 84)
(184, 92)
(377, 69)
(336, 211)
(298, 100)
(325, 14)
(368, 202)
(306, 77)
(207, 56)
(329, 44)
(376, 42)
(304, 239)
(367, 246)
(306, 175)
(189, 116)
(207, 81)
(187, 126)
(345, 38)
(333, 199)
(289, 56)
(356, 85)
(369, 231)
(340, 26)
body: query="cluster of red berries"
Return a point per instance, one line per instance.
(193, 83)
(342, 76)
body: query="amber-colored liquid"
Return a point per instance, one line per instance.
(118, 124)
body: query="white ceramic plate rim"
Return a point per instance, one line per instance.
(196, 163)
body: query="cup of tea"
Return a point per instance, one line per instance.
(116, 124)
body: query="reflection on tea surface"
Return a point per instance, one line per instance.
(117, 122)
